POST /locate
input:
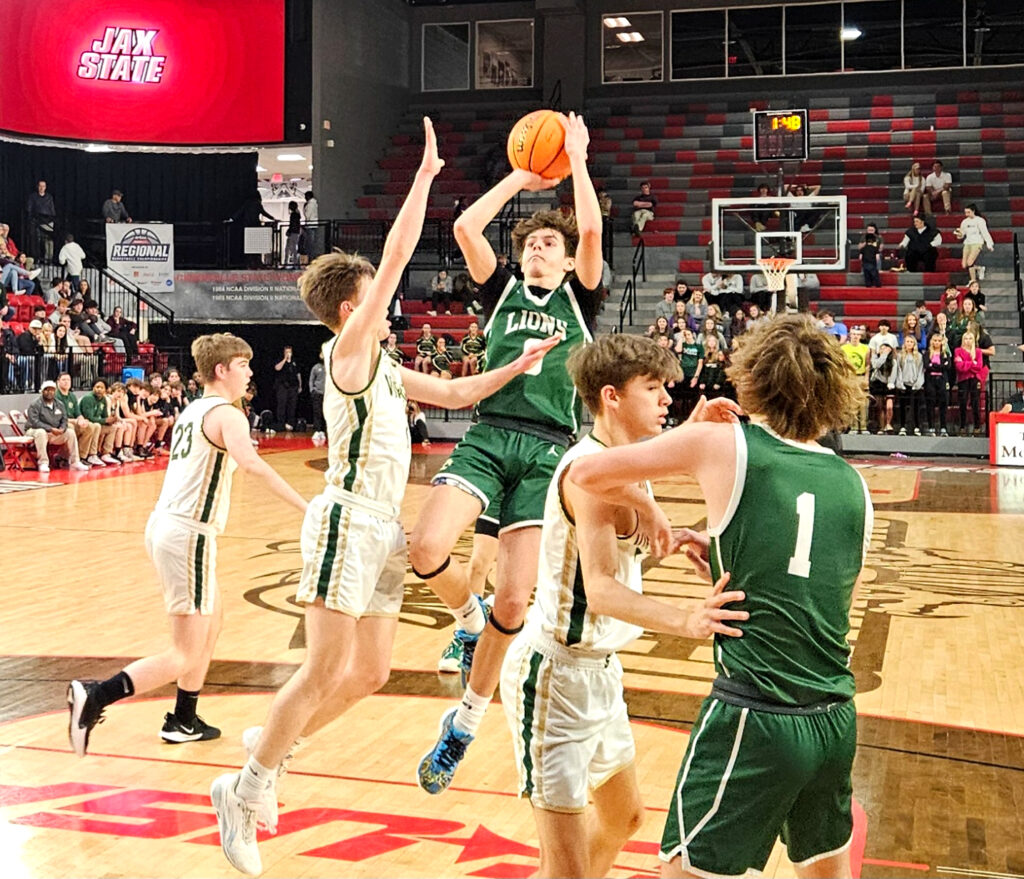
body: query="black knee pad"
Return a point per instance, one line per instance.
(504, 631)
(433, 574)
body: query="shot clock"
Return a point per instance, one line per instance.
(780, 135)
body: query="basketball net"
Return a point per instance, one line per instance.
(775, 269)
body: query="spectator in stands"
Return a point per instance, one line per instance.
(870, 256)
(465, 291)
(72, 257)
(760, 219)
(659, 328)
(473, 346)
(738, 324)
(920, 246)
(392, 350)
(938, 366)
(884, 336)
(913, 187)
(731, 296)
(643, 208)
(755, 316)
(426, 347)
(883, 364)
(417, 424)
(666, 308)
(940, 327)
(317, 386)
(80, 342)
(683, 291)
(48, 343)
(29, 354)
(800, 288)
(691, 359)
(311, 216)
(10, 249)
(159, 401)
(696, 309)
(125, 330)
(970, 373)
(907, 379)
(47, 423)
(604, 202)
(292, 233)
(912, 328)
(1016, 402)
(827, 321)
(287, 387)
(9, 349)
(441, 362)
(17, 279)
(758, 292)
(80, 321)
(101, 327)
(973, 231)
(114, 209)
(440, 293)
(132, 428)
(87, 432)
(63, 347)
(938, 185)
(709, 330)
(95, 407)
(982, 340)
(679, 318)
(974, 291)
(924, 314)
(84, 291)
(42, 214)
(721, 323)
(712, 377)
(804, 220)
(858, 355)
(178, 400)
(194, 388)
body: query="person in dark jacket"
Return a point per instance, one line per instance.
(920, 246)
(287, 386)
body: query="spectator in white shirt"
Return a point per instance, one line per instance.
(72, 256)
(311, 214)
(913, 187)
(938, 184)
(975, 235)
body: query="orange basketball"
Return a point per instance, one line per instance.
(537, 143)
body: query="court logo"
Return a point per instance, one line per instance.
(123, 54)
(141, 245)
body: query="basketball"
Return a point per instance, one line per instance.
(536, 143)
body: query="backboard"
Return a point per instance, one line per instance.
(809, 229)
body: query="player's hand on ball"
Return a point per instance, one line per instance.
(534, 351)
(432, 163)
(711, 618)
(720, 410)
(696, 545)
(530, 182)
(577, 138)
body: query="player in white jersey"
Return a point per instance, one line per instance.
(353, 545)
(561, 682)
(209, 441)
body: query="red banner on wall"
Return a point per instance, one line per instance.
(158, 72)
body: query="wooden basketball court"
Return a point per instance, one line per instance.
(939, 632)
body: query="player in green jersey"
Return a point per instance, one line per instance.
(505, 461)
(772, 749)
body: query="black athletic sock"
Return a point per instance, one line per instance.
(185, 706)
(113, 689)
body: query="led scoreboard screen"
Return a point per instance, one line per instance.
(780, 135)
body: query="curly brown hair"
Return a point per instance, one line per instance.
(565, 226)
(614, 360)
(796, 376)
(331, 279)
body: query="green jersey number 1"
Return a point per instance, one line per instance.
(800, 561)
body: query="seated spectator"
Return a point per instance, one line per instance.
(755, 316)
(920, 246)
(731, 296)
(604, 202)
(683, 291)
(709, 330)
(465, 291)
(715, 313)
(696, 309)
(46, 423)
(760, 219)
(973, 231)
(883, 364)
(9, 248)
(801, 287)
(473, 346)
(63, 307)
(9, 350)
(738, 324)
(938, 185)
(1016, 402)
(129, 403)
(84, 291)
(666, 308)
(100, 327)
(924, 314)
(913, 187)
(80, 321)
(712, 377)
(29, 354)
(658, 329)
(858, 355)
(938, 367)
(974, 291)
(392, 350)
(17, 279)
(870, 256)
(804, 220)
(95, 407)
(126, 331)
(441, 362)
(830, 325)
(907, 380)
(643, 208)
(127, 427)
(417, 424)
(440, 293)
(679, 318)
(87, 432)
(72, 257)
(426, 348)
(971, 373)
(80, 342)
(194, 387)
(177, 397)
(912, 329)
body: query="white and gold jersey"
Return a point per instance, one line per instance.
(368, 444)
(197, 484)
(560, 611)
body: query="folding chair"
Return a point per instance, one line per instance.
(60, 454)
(16, 449)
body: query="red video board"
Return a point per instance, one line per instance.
(153, 72)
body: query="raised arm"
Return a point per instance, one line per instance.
(589, 259)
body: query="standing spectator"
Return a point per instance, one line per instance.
(938, 185)
(884, 336)
(709, 330)
(72, 256)
(95, 407)
(858, 355)
(426, 348)
(913, 187)
(29, 354)
(938, 365)
(42, 214)
(87, 432)
(924, 314)
(941, 328)
(311, 215)
(8, 357)
(473, 346)
(907, 379)
(912, 328)
(970, 373)
(114, 209)
(643, 208)
(317, 385)
(666, 308)
(440, 293)
(287, 386)
(833, 327)
(678, 320)
(883, 364)
(974, 292)
(973, 231)
(691, 359)
(696, 309)
(294, 230)
(712, 376)
(920, 245)
(47, 424)
(870, 251)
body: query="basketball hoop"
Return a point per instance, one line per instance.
(775, 269)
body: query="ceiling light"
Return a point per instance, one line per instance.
(260, 169)
(291, 157)
(616, 22)
(851, 32)
(631, 37)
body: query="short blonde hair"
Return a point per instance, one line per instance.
(796, 376)
(208, 351)
(614, 360)
(331, 279)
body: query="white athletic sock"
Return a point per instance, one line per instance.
(471, 711)
(470, 616)
(253, 780)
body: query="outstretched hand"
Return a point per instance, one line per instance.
(432, 163)
(710, 618)
(577, 138)
(533, 353)
(721, 410)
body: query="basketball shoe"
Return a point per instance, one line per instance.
(251, 737)
(437, 768)
(238, 820)
(176, 732)
(469, 641)
(451, 660)
(86, 712)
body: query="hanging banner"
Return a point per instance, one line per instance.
(143, 253)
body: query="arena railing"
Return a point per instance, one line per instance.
(627, 304)
(136, 304)
(1019, 284)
